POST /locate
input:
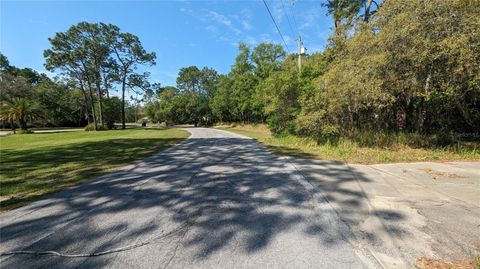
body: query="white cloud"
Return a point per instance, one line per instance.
(185, 10)
(221, 19)
(278, 11)
(211, 28)
(266, 38)
(310, 18)
(246, 25)
(246, 13)
(250, 40)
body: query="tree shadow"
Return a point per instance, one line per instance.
(195, 200)
(34, 173)
(343, 187)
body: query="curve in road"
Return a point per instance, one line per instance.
(216, 200)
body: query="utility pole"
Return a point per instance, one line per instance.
(301, 50)
(299, 54)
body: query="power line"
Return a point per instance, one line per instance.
(293, 16)
(274, 22)
(288, 18)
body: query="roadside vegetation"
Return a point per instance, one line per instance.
(38, 164)
(398, 81)
(366, 149)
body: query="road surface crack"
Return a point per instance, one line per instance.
(93, 254)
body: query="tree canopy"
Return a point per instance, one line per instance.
(390, 66)
(97, 55)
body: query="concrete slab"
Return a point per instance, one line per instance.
(405, 211)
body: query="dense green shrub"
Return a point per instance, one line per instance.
(25, 131)
(112, 109)
(91, 127)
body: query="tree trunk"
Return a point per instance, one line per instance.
(87, 114)
(105, 81)
(401, 113)
(136, 113)
(337, 23)
(22, 123)
(12, 125)
(422, 113)
(99, 93)
(123, 100)
(92, 104)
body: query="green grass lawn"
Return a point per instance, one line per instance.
(348, 151)
(34, 165)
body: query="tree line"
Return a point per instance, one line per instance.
(396, 66)
(94, 60)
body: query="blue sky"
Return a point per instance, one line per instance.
(182, 33)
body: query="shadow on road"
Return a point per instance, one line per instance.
(201, 197)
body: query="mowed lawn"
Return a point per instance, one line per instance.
(349, 151)
(34, 165)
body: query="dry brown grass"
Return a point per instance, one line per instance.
(428, 263)
(346, 150)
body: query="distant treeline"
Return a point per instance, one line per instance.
(29, 97)
(94, 61)
(408, 66)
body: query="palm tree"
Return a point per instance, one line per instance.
(20, 110)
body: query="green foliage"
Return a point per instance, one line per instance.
(279, 94)
(21, 110)
(25, 131)
(56, 103)
(384, 148)
(221, 103)
(113, 111)
(96, 55)
(403, 67)
(62, 105)
(189, 102)
(189, 79)
(407, 67)
(413, 68)
(267, 58)
(4, 63)
(91, 127)
(15, 87)
(342, 10)
(129, 54)
(393, 70)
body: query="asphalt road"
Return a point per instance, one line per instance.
(217, 200)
